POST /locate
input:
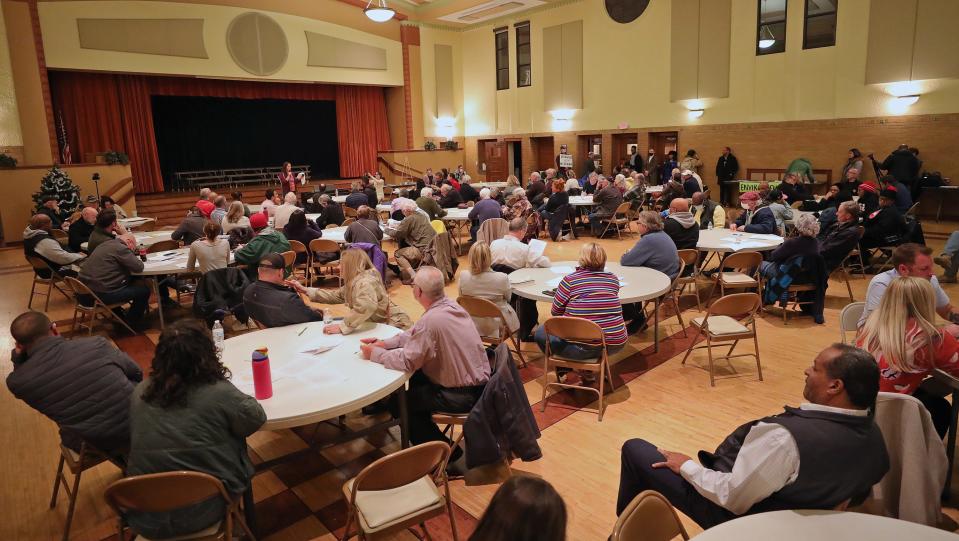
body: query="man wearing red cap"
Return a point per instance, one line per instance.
(266, 241)
(754, 219)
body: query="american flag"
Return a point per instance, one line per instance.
(62, 142)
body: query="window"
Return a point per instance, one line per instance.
(524, 61)
(771, 30)
(820, 27)
(502, 58)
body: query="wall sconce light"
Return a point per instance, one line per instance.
(446, 126)
(695, 113)
(562, 114)
(907, 100)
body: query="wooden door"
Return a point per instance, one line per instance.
(497, 168)
(545, 153)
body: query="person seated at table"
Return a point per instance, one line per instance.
(271, 201)
(467, 191)
(591, 293)
(754, 218)
(50, 207)
(357, 196)
(219, 210)
(884, 227)
(83, 385)
(850, 181)
(362, 292)
(804, 244)
(842, 237)
(691, 183)
(511, 253)
(558, 202)
(235, 218)
(572, 186)
(191, 228)
(107, 272)
(833, 198)
(237, 196)
(910, 259)
(366, 228)
(794, 190)
(656, 250)
(826, 453)
(483, 282)
(606, 200)
(414, 233)
(106, 228)
(372, 197)
(266, 241)
(486, 209)
(301, 229)
(781, 211)
(81, 229)
(445, 354)
(38, 242)
(396, 205)
(536, 190)
(271, 301)
(868, 197)
(672, 190)
(512, 183)
(517, 205)
(211, 252)
(331, 213)
(449, 198)
(707, 213)
(188, 416)
(205, 203)
(282, 213)
(681, 226)
(429, 205)
(902, 335)
(524, 508)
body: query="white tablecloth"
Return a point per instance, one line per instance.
(821, 525)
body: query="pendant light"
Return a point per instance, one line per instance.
(379, 12)
(766, 38)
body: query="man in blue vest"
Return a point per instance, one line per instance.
(757, 467)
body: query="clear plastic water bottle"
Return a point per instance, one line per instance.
(327, 317)
(218, 339)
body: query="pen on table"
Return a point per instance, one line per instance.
(301, 331)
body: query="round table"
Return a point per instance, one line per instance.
(833, 525)
(581, 200)
(724, 241)
(308, 389)
(638, 284)
(164, 264)
(134, 222)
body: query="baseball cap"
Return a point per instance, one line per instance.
(749, 196)
(258, 220)
(273, 261)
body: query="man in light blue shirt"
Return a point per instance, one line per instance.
(910, 260)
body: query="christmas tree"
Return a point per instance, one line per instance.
(58, 184)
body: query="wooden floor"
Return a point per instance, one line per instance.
(670, 405)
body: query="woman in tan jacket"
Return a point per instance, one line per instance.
(362, 292)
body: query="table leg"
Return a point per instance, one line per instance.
(656, 326)
(951, 443)
(156, 293)
(404, 418)
(939, 211)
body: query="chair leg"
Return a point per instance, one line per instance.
(679, 313)
(545, 375)
(732, 347)
(33, 288)
(124, 323)
(56, 483)
(689, 350)
(602, 390)
(709, 353)
(73, 504)
(46, 305)
(519, 350)
(845, 275)
(449, 509)
(759, 366)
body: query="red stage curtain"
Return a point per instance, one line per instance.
(361, 128)
(113, 112)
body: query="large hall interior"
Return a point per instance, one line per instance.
(479, 270)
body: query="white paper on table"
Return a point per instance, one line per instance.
(517, 281)
(744, 245)
(764, 236)
(563, 269)
(536, 248)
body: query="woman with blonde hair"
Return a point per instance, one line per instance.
(362, 292)
(511, 184)
(901, 334)
(481, 281)
(235, 218)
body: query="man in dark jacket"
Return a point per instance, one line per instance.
(842, 237)
(83, 385)
(536, 190)
(681, 225)
(37, 242)
(726, 168)
(191, 228)
(467, 191)
(271, 302)
(81, 230)
(753, 219)
(357, 196)
(330, 212)
(884, 227)
(826, 452)
(107, 272)
(902, 164)
(607, 199)
(449, 198)
(104, 230)
(52, 209)
(794, 190)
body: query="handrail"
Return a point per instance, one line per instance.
(392, 167)
(123, 183)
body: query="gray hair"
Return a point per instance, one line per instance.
(324, 198)
(426, 192)
(651, 220)
(445, 188)
(204, 193)
(484, 193)
(534, 176)
(430, 281)
(519, 192)
(851, 207)
(466, 179)
(550, 173)
(807, 225)
(409, 206)
(290, 198)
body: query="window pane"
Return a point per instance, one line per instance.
(502, 79)
(525, 75)
(820, 28)
(502, 40)
(771, 30)
(522, 35)
(502, 58)
(523, 56)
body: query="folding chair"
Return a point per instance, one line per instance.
(729, 318)
(618, 221)
(482, 308)
(745, 273)
(849, 320)
(52, 282)
(690, 258)
(649, 517)
(99, 307)
(299, 248)
(77, 463)
(163, 246)
(317, 266)
(576, 331)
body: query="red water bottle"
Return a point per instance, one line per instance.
(262, 381)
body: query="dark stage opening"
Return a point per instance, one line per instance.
(201, 133)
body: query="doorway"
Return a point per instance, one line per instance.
(492, 156)
(663, 142)
(515, 158)
(590, 143)
(544, 153)
(623, 145)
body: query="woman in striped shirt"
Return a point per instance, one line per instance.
(589, 293)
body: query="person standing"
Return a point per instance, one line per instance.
(287, 178)
(651, 168)
(726, 168)
(691, 162)
(853, 161)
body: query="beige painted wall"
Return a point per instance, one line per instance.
(17, 185)
(10, 137)
(626, 74)
(62, 47)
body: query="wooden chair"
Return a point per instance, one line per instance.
(163, 246)
(331, 226)
(349, 212)
(745, 273)
(87, 458)
(289, 257)
(672, 296)
(577, 331)
(849, 320)
(792, 295)
(60, 235)
(399, 491)
(618, 221)
(163, 492)
(913, 209)
(482, 308)
(300, 248)
(316, 266)
(52, 282)
(855, 256)
(99, 308)
(690, 258)
(729, 318)
(649, 517)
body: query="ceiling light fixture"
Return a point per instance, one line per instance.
(907, 99)
(695, 113)
(379, 12)
(562, 114)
